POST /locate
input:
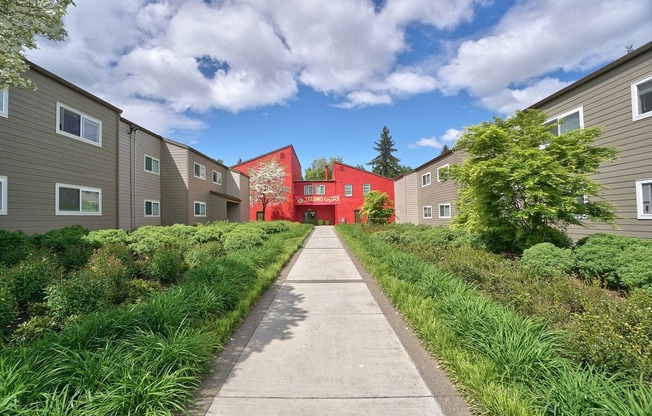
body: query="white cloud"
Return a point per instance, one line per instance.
(536, 38)
(447, 139)
(364, 99)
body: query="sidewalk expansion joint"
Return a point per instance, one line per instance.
(288, 282)
(416, 396)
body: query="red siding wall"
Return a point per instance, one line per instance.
(344, 174)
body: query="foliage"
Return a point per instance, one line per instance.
(244, 237)
(81, 293)
(15, 246)
(145, 241)
(67, 245)
(546, 259)
(377, 208)
(386, 164)
(7, 306)
(424, 238)
(521, 184)
(137, 290)
(317, 169)
(202, 253)
(267, 184)
(22, 21)
(166, 264)
(111, 270)
(28, 281)
(109, 236)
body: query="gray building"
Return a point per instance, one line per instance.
(67, 157)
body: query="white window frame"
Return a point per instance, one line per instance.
(200, 204)
(556, 119)
(80, 189)
(320, 189)
(308, 190)
(4, 101)
(446, 166)
(348, 189)
(202, 171)
(4, 186)
(640, 214)
(158, 165)
(423, 179)
(83, 117)
(366, 188)
(449, 210)
(636, 112)
(158, 205)
(217, 177)
(423, 211)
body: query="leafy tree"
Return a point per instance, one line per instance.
(377, 208)
(317, 170)
(522, 185)
(20, 22)
(267, 184)
(386, 163)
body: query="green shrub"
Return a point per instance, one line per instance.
(29, 280)
(547, 259)
(139, 289)
(7, 305)
(80, 294)
(107, 268)
(271, 227)
(14, 247)
(202, 253)
(145, 241)
(35, 328)
(242, 238)
(109, 236)
(634, 267)
(206, 233)
(390, 236)
(67, 245)
(166, 264)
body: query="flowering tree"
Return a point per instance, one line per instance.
(267, 184)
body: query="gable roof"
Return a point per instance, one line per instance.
(267, 154)
(361, 170)
(431, 161)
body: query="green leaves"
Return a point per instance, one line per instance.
(377, 207)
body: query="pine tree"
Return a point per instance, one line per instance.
(385, 164)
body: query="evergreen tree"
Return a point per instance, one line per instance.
(385, 164)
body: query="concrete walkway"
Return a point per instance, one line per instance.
(323, 346)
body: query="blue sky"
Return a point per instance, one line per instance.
(238, 78)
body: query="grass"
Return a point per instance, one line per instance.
(143, 359)
(503, 363)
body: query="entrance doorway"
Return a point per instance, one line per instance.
(310, 217)
(259, 216)
(358, 217)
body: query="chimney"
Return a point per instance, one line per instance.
(326, 172)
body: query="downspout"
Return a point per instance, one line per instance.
(132, 196)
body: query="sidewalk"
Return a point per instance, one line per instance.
(323, 346)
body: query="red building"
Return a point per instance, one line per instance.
(336, 199)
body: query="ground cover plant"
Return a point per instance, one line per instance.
(517, 342)
(112, 339)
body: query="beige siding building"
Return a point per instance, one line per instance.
(617, 98)
(67, 157)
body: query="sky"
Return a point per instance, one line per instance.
(239, 78)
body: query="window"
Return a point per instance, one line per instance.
(200, 209)
(77, 200)
(425, 179)
(572, 120)
(200, 171)
(152, 208)
(3, 195)
(427, 212)
(366, 188)
(642, 99)
(441, 171)
(217, 177)
(308, 189)
(320, 189)
(348, 190)
(444, 210)
(4, 98)
(74, 124)
(644, 199)
(151, 165)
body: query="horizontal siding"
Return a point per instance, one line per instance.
(174, 184)
(125, 200)
(436, 193)
(147, 185)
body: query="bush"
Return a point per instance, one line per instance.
(14, 247)
(80, 294)
(107, 268)
(35, 328)
(166, 264)
(634, 267)
(202, 253)
(206, 233)
(139, 289)
(243, 237)
(546, 259)
(145, 241)
(272, 227)
(68, 246)
(110, 236)
(28, 281)
(7, 306)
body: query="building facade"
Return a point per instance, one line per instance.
(67, 157)
(336, 199)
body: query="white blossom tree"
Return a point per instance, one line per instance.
(21, 21)
(267, 184)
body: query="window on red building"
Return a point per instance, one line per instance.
(366, 188)
(348, 190)
(320, 189)
(308, 189)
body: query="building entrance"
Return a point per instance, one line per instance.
(310, 217)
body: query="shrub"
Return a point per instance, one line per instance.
(28, 281)
(202, 253)
(7, 305)
(272, 227)
(145, 241)
(14, 247)
(634, 267)
(242, 238)
(80, 294)
(546, 259)
(139, 289)
(107, 268)
(35, 328)
(206, 233)
(68, 246)
(166, 264)
(110, 236)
